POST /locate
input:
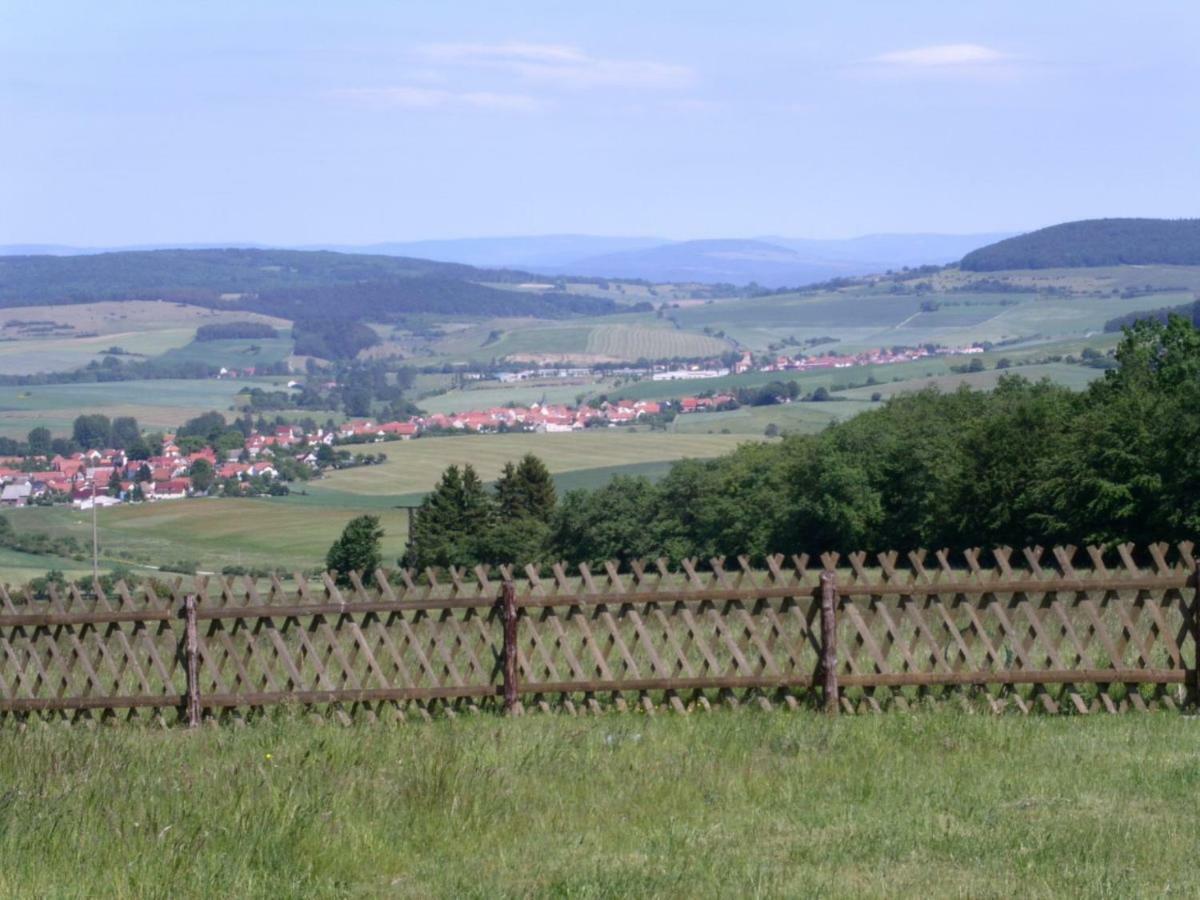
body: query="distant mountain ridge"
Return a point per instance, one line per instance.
(1094, 242)
(780, 262)
(771, 261)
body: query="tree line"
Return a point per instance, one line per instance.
(1027, 463)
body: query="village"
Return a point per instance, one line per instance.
(266, 461)
(715, 369)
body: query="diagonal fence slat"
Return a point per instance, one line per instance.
(1063, 629)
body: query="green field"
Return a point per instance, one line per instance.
(793, 418)
(212, 533)
(140, 327)
(484, 394)
(1073, 376)
(865, 318)
(163, 403)
(633, 342)
(415, 466)
(233, 354)
(293, 533)
(703, 805)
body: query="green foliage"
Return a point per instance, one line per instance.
(208, 426)
(332, 338)
(222, 331)
(125, 432)
(1187, 310)
(92, 431)
(203, 475)
(39, 543)
(1026, 464)
(288, 283)
(779, 805)
(1094, 242)
(459, 524)
(40, 440)
(451, 521)
(526, 490)
(357, 550)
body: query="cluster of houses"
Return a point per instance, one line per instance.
(107, 476)
(713, 369)
(539, 417)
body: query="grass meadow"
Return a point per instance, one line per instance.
(146, 328)
(415, 466)
(732, 803)
(158, 404)
(294, 533)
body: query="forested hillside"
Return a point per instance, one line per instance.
(1190, 311)
(291, 282)
(1094, 242)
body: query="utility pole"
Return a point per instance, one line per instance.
(95, 539)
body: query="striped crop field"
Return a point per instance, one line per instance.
(637, 342)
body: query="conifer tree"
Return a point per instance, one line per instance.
(357, 550)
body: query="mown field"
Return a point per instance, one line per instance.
(415, 466)
(706, 805)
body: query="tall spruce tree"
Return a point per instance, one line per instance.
(525, 490)
(357, 550)
(451, 520)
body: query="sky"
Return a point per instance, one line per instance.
(359, 122)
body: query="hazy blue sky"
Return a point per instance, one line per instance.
(296, 122)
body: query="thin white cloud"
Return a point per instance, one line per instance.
(410, 97)
(941, 56)
(564, 65)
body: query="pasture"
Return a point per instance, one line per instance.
(211, 533)
(83, 331)
(158, 404)
(416, 466)
(702, 805)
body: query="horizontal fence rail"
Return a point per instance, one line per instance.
(1058, 631)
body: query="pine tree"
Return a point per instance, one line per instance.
(525, 491)
(537, 487)
(451, 520)
(357, 550)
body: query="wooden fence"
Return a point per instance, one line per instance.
(1058, 631)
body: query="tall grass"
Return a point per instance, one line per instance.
(729, 803)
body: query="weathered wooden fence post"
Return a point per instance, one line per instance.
(829, 599)
(192, 660)
(1196, 636)
(508, 612)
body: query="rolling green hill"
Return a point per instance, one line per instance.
(1094, 242)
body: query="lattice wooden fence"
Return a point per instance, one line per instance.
(1058, 631)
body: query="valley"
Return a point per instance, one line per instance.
(143, 359)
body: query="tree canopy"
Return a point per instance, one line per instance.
(357, 549)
